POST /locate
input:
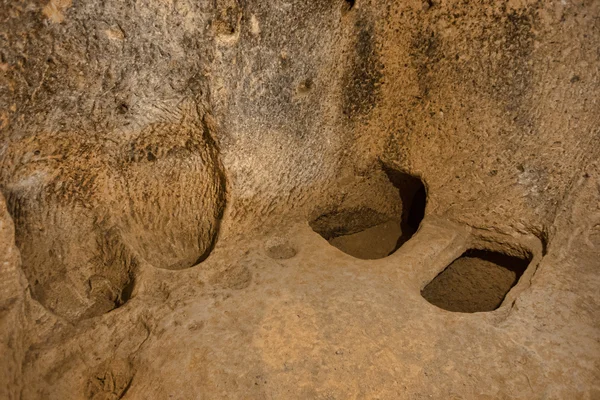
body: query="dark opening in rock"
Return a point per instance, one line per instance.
(368, 234)
(347, 5)
(126, 293)
(414, 199)
(477, 281)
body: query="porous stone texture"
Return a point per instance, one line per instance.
(87, 210)
(161, 162)
(12, 317)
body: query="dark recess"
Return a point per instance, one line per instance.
(126, 293)
(414, 200)
(367, 234)
(347, 5)
(477, 281)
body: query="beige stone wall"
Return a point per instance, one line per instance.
(495, 104)
(137, 137)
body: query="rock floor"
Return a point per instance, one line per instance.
(324, 325)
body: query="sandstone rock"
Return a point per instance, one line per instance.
(175, 169)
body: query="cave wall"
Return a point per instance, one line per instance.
(145, 132)
(12, 304)
(494, 104)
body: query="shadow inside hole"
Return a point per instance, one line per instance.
(367, 234)
(126, 293)
(414, 200)
(347, 5)
(477, 281)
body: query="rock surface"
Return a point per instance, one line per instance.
(163, 162)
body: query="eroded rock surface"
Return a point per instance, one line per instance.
(12, 316)
(88, 211)
(172, 169)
